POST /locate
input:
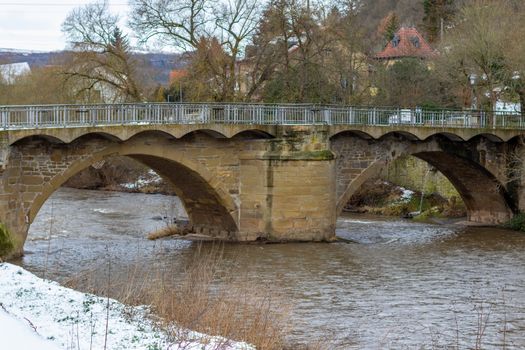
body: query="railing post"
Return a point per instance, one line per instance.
(34, 116)
(29, 116)
(227, 118)
(3, 113)
(327, 116)
(305, 117)
(206, 111)
(481, 119)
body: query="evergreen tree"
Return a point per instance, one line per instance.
(389, 26)
(119, 40)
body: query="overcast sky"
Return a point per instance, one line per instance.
(35, 24)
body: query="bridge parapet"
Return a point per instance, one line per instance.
(43, 116)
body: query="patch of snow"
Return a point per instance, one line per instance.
(152, 178)
(406, 194)
(59, 317)
(17, 335)
(129, 185)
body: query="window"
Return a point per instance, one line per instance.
(396, 40)
(415, 41)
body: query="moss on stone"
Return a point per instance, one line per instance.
(6, 243)
(315, 155)
(301, 155)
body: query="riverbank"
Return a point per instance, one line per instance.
(41, 314)
(120, 174)
(379, 197)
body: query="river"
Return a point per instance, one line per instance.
(402, 285)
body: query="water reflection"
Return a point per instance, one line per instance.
(404, 285)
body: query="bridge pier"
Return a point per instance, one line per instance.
(16, 196)
(287, 188)
(288, 197)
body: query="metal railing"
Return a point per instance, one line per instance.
(48, 116)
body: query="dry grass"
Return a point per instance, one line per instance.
(165, 232)
(207, 296)
(236, 309)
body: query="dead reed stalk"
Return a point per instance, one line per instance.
(207, 297)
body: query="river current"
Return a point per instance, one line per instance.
(401, 285)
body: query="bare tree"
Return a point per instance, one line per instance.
(292, 36)
(101, 60)
(316, 53)
(177, 23)
(515, 54)
(347, 61)
(237, 23)
(479, 48)
(214, 33)
(268, 54)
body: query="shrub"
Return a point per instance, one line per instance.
(6, 244)
(516, 223)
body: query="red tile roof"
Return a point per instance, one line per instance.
(407, 42)
(177, 74)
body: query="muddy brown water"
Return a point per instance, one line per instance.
(402, 285)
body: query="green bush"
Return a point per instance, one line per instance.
(516, 223)
(6, 244)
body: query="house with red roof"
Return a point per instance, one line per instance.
(406, 43)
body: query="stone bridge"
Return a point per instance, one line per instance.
(248, 181)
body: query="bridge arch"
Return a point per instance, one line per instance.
(210, 205)
(401, 134)
(485, 197)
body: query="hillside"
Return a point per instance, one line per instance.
(160, 63)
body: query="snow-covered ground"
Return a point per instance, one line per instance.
(151, 178)
(15, 334)
(40, 314)
(406, 195)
